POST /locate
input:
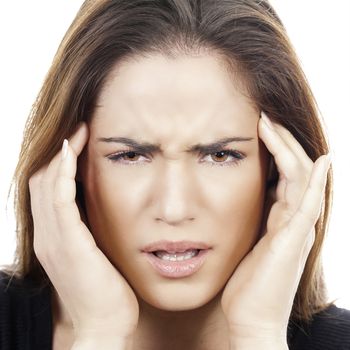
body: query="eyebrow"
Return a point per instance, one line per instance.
(146, 147)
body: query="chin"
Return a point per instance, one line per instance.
(177, 295)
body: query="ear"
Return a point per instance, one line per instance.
(81, 161)
(270, 196)
(272, 172)
(80, 201)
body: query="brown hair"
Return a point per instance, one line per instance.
(246, 33)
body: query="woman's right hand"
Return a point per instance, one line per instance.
(98, 299)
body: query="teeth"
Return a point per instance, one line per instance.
(177, 256)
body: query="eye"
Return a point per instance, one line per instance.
(220, 157)
(129, 157)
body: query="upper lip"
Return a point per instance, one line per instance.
(174, 246)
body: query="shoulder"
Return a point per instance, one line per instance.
(24, 309)
(328, 330)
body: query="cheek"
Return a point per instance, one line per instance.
(245, 228)
(227, 204)
(111, 207)
(228, 207)
(238, 196)
(239, 214)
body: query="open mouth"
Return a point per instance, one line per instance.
(178, 256)
(179, 264)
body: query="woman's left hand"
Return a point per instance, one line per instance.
(258, 298)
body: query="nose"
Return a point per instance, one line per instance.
(175, 192)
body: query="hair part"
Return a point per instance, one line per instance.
(247, 35)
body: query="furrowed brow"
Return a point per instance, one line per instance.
(146, 147)
(139, 147)
(217, 145)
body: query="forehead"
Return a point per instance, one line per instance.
(173, 92)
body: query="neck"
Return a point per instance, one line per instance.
(202, 328)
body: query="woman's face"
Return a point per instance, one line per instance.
(173, 192)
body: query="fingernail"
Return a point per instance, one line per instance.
(266, 120)
(64, 149)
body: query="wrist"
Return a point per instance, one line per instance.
(253, 344)
(102, 342)
(249, 339)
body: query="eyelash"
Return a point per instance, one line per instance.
(230, 152)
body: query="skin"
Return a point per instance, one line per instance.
(117, 297)
(175, 195)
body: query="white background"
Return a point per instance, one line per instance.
(320, 31)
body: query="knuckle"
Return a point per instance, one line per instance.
(294, 163)
(299, 171)
(277, 244)
(307, 217)
(59, 203)
(38, 180)
(302, 180)
(293, 168)
(63, 193)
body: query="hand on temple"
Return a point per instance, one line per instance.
(258, 298)
(99, 300)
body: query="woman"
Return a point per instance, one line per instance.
(189, 203)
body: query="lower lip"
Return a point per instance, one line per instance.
(177, 269)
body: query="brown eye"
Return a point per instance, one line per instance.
(225, 157)
(131, 156)
(220, 156)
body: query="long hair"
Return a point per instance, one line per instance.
(250, 37)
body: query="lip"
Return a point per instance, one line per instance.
(174, 246)
(176, 269)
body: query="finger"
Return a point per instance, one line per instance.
(36, 196)
(293, 178)
(293, 144)
(305, 218)
(65, 186)
(278, 140)
(78, 140)
(308, 244)
(34, 183)
(55, 162)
